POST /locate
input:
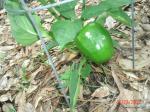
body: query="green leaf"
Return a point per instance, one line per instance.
(104, 6)
(12, 4)
(21, 27)
(67, 10)
(116, 3)
(86, 70)
(120, 16)
(115, 43)
(75, 81)
(74, 86)
(64, 31)
(94, 11)
(44, 2)
(51, 44)
(72, 79)
(102, 18)
(65, 77)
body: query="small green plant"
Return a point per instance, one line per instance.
(73, 78)
(66, 28)
(24, 80)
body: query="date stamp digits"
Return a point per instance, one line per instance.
(129, 102)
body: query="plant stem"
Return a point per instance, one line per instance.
(84, 2)
(132, 34)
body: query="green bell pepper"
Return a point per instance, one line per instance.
(95, 43)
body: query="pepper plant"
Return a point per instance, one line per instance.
(93, 39)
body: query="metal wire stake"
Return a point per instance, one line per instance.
(132, 34)
(44, 47)
(42, 7)
(51, 5)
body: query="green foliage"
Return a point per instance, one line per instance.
(68, 10)
(64, 31)
(103, 7)
(51, 44)
(74, 86)
(121, 16)
(72, 79)
(101, 18)
(65, 77)
(118, 14)
(116, 44)
(24, 80)
(86, 70)
(21, 27)
(44, 2)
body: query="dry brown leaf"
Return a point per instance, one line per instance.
(5, 97)
(146, 94)
(101, 92)
(110, 22)
(7, 81)
(2, 56)
(23, 106)
(131, 76)
(81, 92)
(7, 48)
(29, 108)
(31, 88)
(146, 27)
(100, 108)
(127, 64)
(26, 63)
(20, 100)
(1, 30)
(47, 106)
(127, 98)
(142, 59)
(137, 86)
(43, 93)
(33, 75)
(130, 99)
(37, 100)
(121, 109)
